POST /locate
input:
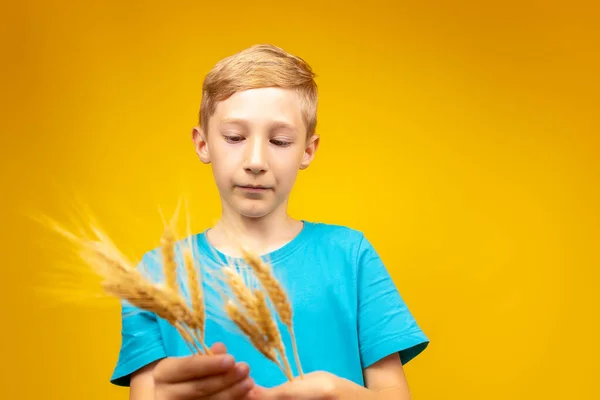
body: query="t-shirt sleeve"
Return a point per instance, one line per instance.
(385, 324)
(141, 342)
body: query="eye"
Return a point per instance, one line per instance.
(233, 138)
(281, 143)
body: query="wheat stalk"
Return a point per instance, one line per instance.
(187, 337)
(196, 295)
(277, 296)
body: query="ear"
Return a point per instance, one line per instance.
(201, 145)
(309, 152)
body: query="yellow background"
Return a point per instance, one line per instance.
(462, 138)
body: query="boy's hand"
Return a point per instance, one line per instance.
(314, 386)
(215, 377)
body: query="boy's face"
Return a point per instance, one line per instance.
(256, 142)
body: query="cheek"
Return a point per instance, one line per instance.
(222, 164)
(222, 155)
(287, 173)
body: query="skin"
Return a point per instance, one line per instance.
(257, 138)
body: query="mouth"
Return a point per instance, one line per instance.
(253, 188)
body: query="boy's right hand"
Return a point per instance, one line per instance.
(214, 377)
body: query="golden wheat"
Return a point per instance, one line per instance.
(187, 337)
(169, 264)
(131, 286)
(242, 293)
(120, 278)
(266, 322)
(258, 325)
(195, 290)
(277, 295)
(271, 286)
(254, 334)
(196, 295)
(124, 281)
(274, 290)
(269, 327)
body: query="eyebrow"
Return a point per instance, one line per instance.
(283, 125)
(233, 121)
(274, 126)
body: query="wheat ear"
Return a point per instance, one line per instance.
(167, 242)
(241, 292)
(170, 274)
(187, 337)
(122, 280)
(196, 295)
(277, 295)
(253, 332)
(127, 283)
(269, 327)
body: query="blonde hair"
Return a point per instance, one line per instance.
(260, 66)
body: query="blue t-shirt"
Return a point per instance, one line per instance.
(347, 312)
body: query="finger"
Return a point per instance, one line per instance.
(235, 392)
(257, 393)
(182, 369)
(218, 348)
(299, 390)
(220, 383)
(214, 387)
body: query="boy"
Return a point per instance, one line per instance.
(353, 330)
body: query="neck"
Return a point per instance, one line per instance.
(262, 235)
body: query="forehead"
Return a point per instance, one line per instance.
(261, 106)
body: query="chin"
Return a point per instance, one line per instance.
(256, 210)
(253, 214)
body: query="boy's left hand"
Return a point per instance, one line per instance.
(314, 386)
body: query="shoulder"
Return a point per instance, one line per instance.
(335, 237)
(334, 233)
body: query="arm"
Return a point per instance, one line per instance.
(389, 335)
(384, 380)
(142, 383)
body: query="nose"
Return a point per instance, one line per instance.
(256, 161)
